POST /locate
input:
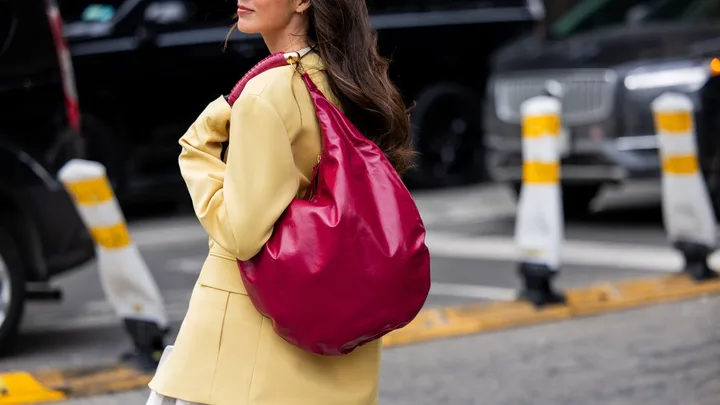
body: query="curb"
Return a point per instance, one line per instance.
(439, 323)
(44, 386)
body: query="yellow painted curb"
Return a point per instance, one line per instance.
(23, 388)
(57, 385)
(435, 323)
(584, 301)
(94, 381)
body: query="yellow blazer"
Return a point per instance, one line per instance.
(226, 353)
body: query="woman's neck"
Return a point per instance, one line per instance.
(285, 41)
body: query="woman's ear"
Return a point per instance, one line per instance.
(302, 6)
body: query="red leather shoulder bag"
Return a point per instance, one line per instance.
(349, 263)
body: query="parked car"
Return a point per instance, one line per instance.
(607, 60)
(41, 234)
(146, 68)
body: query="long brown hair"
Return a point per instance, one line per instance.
(358, 76)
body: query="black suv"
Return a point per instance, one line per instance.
(607, 60)
(146, 68)
(41, 234)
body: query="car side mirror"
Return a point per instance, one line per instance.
(158, 14)
(637, 14)
(167, 12)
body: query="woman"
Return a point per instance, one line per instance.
(226, 353)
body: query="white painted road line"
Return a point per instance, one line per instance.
(167, 236)
(635, 257)
(164, 234)
(99, 313)
(189, 265)
(477, 214)
(192, 265)
(473, 291)
(574, 252)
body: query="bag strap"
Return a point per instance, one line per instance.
(270, 62)
(273, 61)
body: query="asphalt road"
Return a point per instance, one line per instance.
(470, 237)
(661, 355)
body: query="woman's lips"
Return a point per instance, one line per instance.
(243, 10)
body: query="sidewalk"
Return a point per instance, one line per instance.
(660, 355)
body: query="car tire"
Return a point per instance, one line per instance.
(710, 171)
(577, 200)
(447, 134)
(12, 281)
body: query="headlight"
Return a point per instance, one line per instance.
(693, 77)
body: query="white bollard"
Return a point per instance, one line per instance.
(539, 221)
(125, 278)
(688, 215)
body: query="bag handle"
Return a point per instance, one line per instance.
(270, 62)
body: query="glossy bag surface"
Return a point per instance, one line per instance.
(349, 263)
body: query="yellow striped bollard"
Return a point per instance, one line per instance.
(539, 220)
(688, 215)
(125, 278)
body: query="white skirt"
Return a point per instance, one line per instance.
(157, 399)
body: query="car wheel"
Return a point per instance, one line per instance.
(710, 171)
(12, 291)
(577, 199)
(447, 134)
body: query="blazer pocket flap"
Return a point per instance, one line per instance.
(222, 273)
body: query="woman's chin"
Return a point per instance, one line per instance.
(246, 27)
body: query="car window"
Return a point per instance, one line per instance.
(186, 13)
(191, 13)
(8, 25)
(592, 14)
(402, 6)
(702, 10)
(88, 11)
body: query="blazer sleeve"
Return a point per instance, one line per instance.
(239, 202)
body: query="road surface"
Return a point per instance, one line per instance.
(661, 355)
(596, 360)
